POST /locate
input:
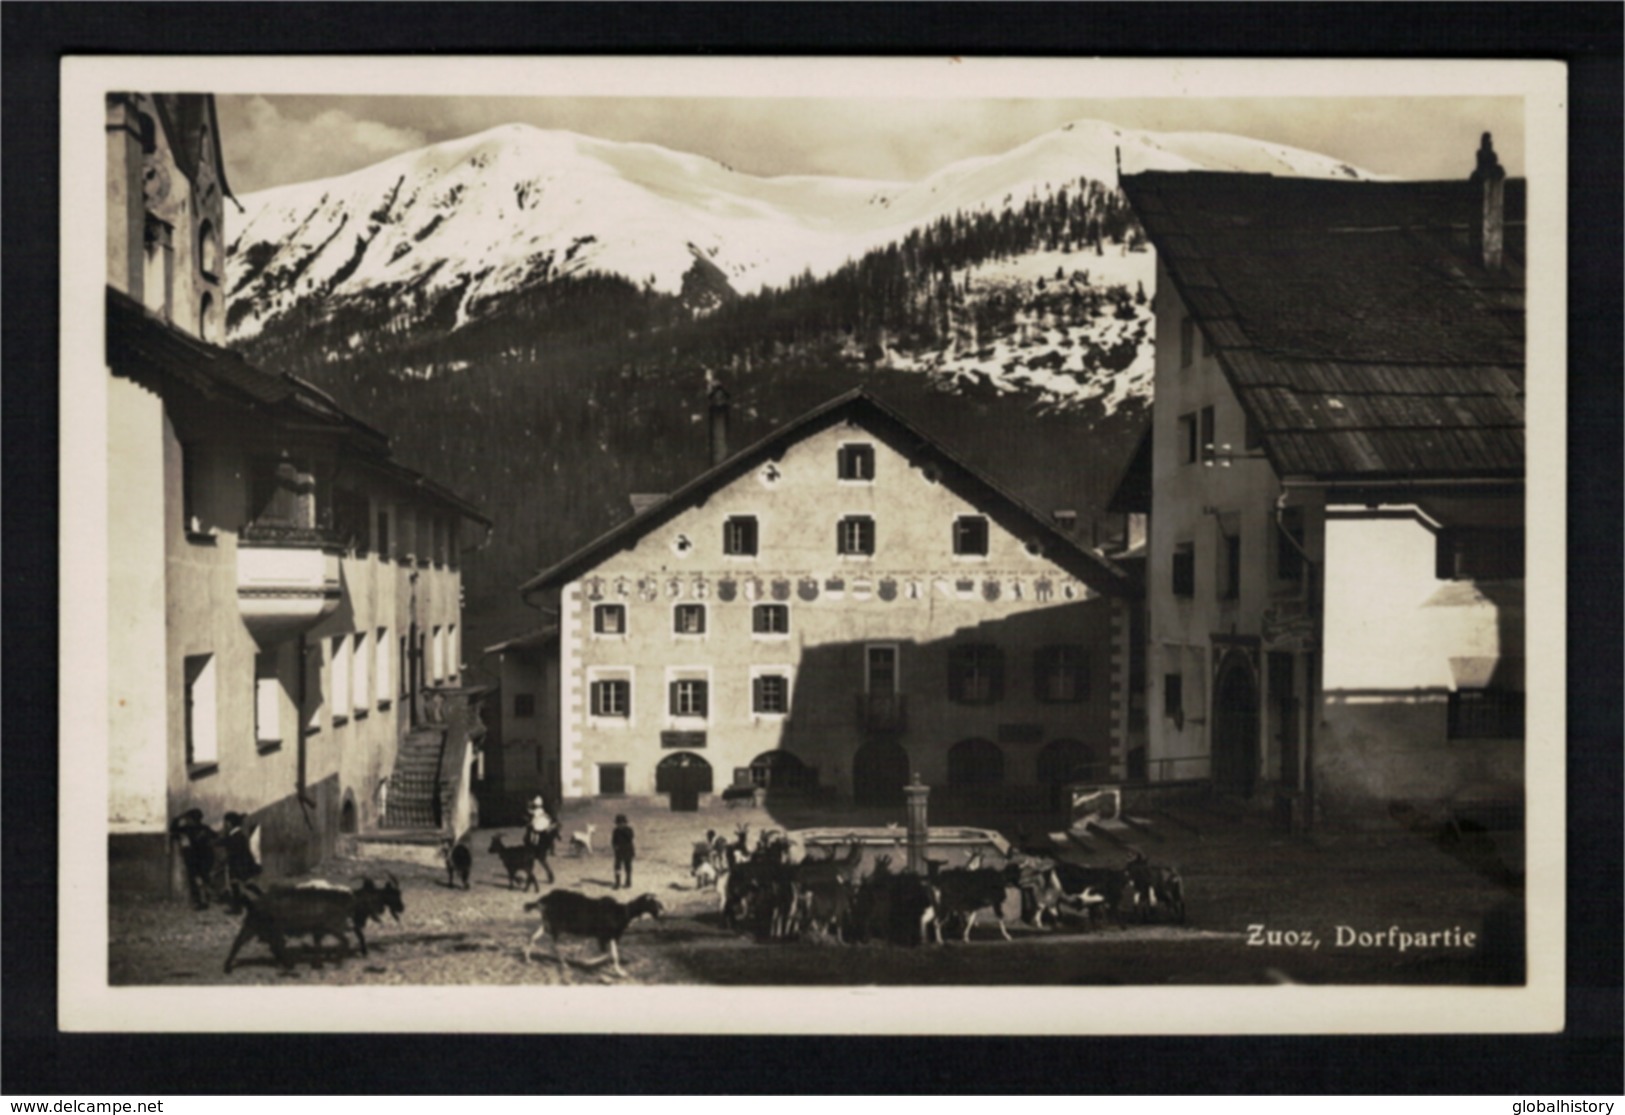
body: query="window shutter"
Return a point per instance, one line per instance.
(840, 537)
(756, 694)
(701, 707)
(674, 705)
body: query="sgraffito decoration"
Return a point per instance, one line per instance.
(648, 589)
(863, 589)
(727, 589)
(781, 588)
(702, 588)
(1042, 589)
(753, 589)
(807, 589)
(674, 588)
(990, 590)
(623, 587)
(835, 587)
(595, 588)
(887, 590)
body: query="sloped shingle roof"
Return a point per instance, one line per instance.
(883, 422)
(1355, 321)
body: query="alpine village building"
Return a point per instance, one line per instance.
(283, 627)
(833, 610)
(1335, 480)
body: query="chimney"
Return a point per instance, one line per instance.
(719, 424)
(1488, 229)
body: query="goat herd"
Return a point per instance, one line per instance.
(776, 890)
(769, 891)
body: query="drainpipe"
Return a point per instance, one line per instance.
(302, 792)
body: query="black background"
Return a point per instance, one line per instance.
(35, 1059)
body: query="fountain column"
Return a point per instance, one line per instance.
(917, 794)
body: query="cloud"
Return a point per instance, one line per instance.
(265, 146)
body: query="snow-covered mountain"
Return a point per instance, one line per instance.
(514, 206)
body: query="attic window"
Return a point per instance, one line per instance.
(970, 535)
(856, 462)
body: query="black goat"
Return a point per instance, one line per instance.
(1077, 881)
(965, 893)
(1156, 885)
(517, 861)
(459, 862)
(898, 908)
(566, 913)
(825, 907)
(319, 909)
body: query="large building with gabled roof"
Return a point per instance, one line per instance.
(832, 610)
(1335, 480)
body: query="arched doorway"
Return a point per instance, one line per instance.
(1235, 727)
(879, 771)
(1067, 760)
(781, 770)
(685, 776)
(975, 762)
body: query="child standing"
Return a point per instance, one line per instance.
(620, 842)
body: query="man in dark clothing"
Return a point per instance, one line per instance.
(197, 842)
(620, 842)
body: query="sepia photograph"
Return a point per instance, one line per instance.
(931, 545)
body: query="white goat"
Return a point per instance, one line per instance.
(581, 840)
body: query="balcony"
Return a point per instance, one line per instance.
(287, 579)
(882, 713)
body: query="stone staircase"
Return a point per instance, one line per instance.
(414, 785)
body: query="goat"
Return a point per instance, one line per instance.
(566, 913)
(516, 860)
(318, 908)
(825, 907)
(899, 908)
(831, 870)
(581, 840)
(965, 893)
(1093, 885)
(459, 861)
(1154, 885)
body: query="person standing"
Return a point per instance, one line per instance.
(621, 843)
(540, 833)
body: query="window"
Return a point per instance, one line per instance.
(856, 462)
(609, 619)
(770, 619)
(1184, 583)
(1289, 545)
(612, 697)
(1229, 579)
(351, 521)
(406, 669)
(1209, 450)
(453, 653)
(612, 779)
(970, 535)
(158, 266)
(1479, 554)
(1173, 698)
(1255, 433)
(739, 536)
(1187, 341)
(524, 706)
(383, 679)
(340, 650)
(975, 674)
(358, 682)
(1187, 439)
(1061, 674)
(770, 694)
(267, 700)
(689, 619)
(880, 669)
(1486, 714)
(855, 534)
(202, 723)
(688, 697)
(438, 653)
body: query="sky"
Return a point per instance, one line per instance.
(272, 139)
